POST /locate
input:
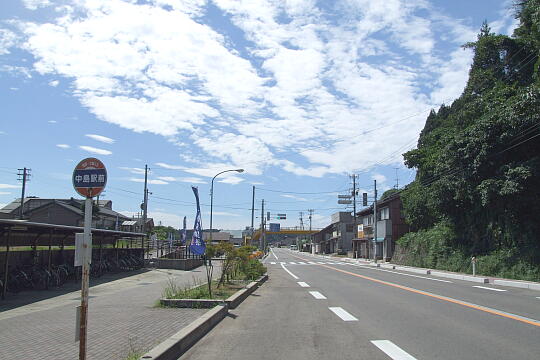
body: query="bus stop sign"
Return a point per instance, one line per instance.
(89, 177)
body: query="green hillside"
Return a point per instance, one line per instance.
(476, 191)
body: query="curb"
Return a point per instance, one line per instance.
(180, 342)
(232, 301)
(518, 284)
(176, 345)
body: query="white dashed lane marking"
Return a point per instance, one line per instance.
(290, 273)
(303, 284)
(487, 288)
(392, 350)
(343, 314)
(317, 295)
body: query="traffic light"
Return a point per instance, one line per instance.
(281, 216)
(364, 199)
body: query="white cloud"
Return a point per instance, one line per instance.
(4, 193)
(133, 170)
(150, 181)
(9, 186)
(94, 150)
(231, 179)
(223, 213)
(379, 177)
(166, 218)
(290, 196)
(101, 138)
(7, 40)
(63, 146)
(169, 166)
(34, 4)
(54, 83)
(193, 180)
(52, 122)
(307, 88)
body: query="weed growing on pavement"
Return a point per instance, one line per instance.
(134, 352)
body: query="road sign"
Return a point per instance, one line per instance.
(344, 196)
(364, 199)
(89, 177)
(346, 202)
(274, 227)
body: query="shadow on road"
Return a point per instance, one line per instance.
(26, 297)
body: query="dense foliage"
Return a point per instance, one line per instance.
(478, 162)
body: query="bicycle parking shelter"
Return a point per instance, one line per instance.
(16, 233)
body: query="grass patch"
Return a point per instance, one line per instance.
(199, 290)
(134, 355)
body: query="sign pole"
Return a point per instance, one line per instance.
(89, 179)
(85, 278)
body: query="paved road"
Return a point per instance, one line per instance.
(122, 317)
(318, 308)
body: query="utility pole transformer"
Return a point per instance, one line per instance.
(24, 176)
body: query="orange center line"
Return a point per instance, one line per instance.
(440, 297)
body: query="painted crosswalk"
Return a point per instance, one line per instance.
(303, 263)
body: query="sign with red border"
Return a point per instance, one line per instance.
(89, 177)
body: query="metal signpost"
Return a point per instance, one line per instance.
(89, 180)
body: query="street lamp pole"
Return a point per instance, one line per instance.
(212, 195)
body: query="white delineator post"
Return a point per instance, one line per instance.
(85, 277)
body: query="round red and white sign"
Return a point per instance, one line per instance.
(89, 177)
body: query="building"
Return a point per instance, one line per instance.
(136, 225)
(217, 236)
(336, 237)
(64, 212)
(390, 227)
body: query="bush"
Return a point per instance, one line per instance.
(433, 249)
(252, 269)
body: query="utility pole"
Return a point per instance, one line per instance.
(261, 241)
(301, 220)
(310, 211)
(24, 176)
(397, 178)
(252, 209)
(145, 203)
(375, 223)
(355, 230)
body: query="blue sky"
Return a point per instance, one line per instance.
(300, 94)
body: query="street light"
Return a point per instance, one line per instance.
(212, 195)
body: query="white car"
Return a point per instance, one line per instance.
(294, 247)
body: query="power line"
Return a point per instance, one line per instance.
(302, 193)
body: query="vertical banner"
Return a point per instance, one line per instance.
(197, 246)
(184, 232)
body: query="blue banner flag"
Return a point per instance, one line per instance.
(197, 246)
(184, 233)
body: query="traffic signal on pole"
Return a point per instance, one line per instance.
(282, 216)
(364, 199)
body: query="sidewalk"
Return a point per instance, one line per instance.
(122, 318)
